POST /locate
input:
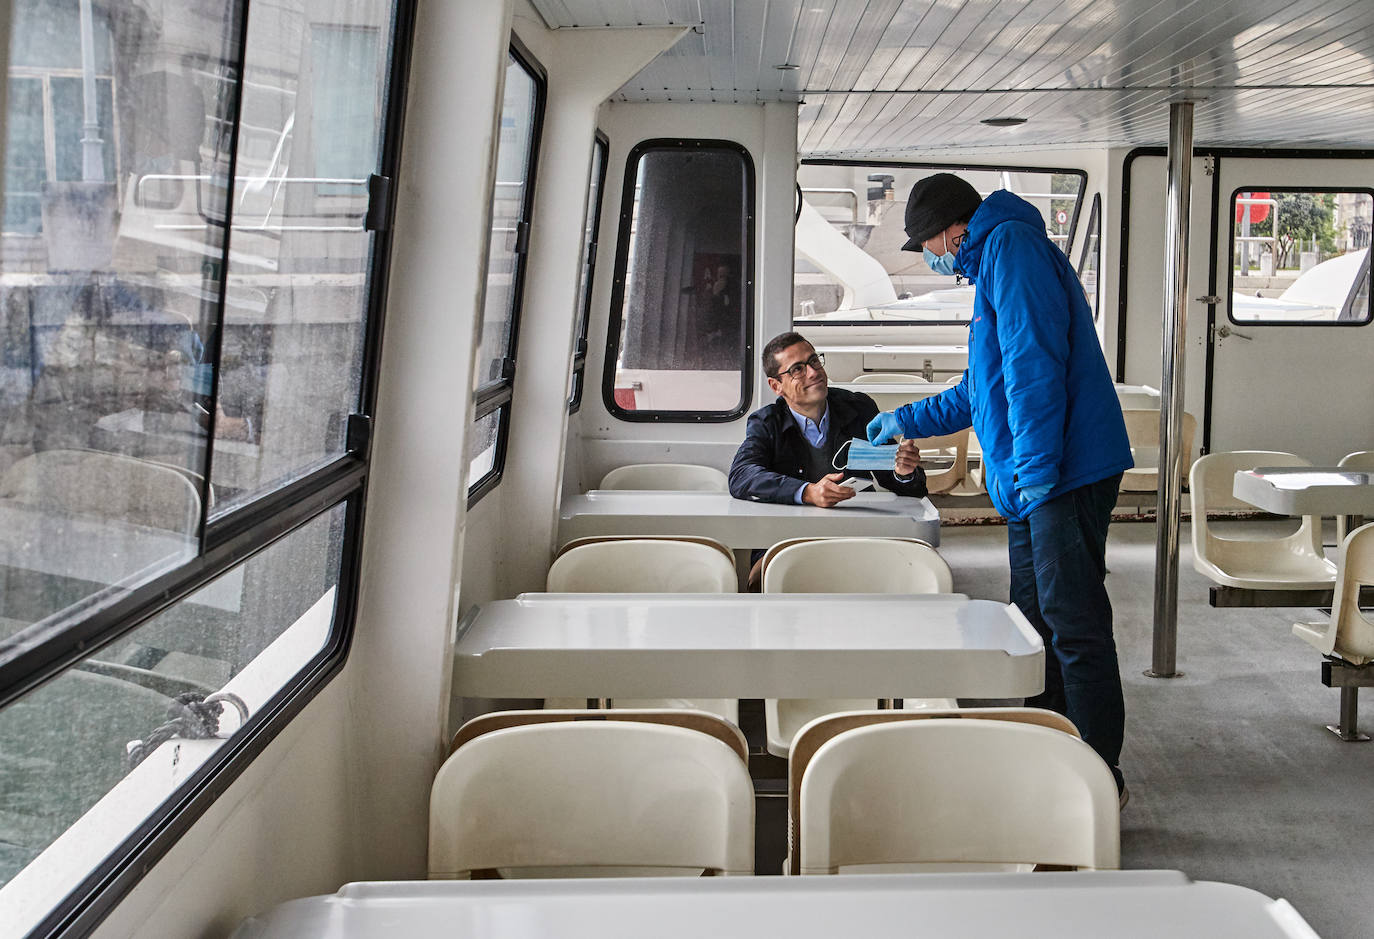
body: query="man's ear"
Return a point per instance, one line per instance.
(775, 385)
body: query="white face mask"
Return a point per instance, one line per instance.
(866, 456)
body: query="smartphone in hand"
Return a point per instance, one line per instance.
(857, 483)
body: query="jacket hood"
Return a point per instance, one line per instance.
(999, 207)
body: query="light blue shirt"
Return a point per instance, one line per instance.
(815, 434)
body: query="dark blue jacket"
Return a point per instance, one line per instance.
(1037, 390)
(770, 465)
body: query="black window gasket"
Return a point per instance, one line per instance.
(497, 394)
(601, 146)
(1092, 236)
(622, 253)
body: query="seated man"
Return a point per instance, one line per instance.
(788, 453)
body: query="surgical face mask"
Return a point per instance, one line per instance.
(940, 263)
(866, 456)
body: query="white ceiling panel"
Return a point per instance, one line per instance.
(887, 78)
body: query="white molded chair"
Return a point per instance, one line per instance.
(949, 446)
(847, 565)
(671, 476)
(1362, 460)
(1142, 429)
(592, 798)
(946, 794)
(886, 378)
(1290, 562)
(1348, 635)
(105, 485)
(820, 731)
(647, 565)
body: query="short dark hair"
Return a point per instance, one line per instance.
(776, 345)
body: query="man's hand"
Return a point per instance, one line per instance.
(908, 458)
(884, 428)
(827, 491)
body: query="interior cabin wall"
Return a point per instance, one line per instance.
(769, 134)
(343, 793)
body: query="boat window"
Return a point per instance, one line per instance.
(191, 262)
(1300, 257)
(511, 203)
(849, 264)
(94, 749)
(682, 300)
(596, 187)
(1090, 261)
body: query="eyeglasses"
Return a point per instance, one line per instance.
(798, 371)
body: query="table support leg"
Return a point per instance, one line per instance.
(1348, 729)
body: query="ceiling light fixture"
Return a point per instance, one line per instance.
(787, 67)
(1002, 121)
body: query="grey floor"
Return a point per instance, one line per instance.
(1233, 776)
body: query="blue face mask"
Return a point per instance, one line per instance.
(866, 456)
(940, 263)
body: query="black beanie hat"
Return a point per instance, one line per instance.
(935, 203)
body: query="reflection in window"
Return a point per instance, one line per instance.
(683, 283)
(1090, 261)
(1300, 256)
(483, 445)
(291, 358)
(849, 263)
(66, 745)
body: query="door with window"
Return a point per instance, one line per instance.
(1291, 339)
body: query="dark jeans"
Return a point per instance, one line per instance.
(1058, 569)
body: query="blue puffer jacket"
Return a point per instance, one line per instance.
(1037, 391)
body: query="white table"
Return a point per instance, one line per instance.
(1080, 905)
(1306, 490)
(738, 523)
(746, 646)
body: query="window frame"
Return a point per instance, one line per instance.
(1306, 324)
(947, 168)
(619, 274)
(50, 647)
(601, 145)
(1093, 227)
(499, 392)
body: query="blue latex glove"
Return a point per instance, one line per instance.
(1030, 494)
(884, 427)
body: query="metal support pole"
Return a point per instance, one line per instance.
(1164, 656)
(92, 157)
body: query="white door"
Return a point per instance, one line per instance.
(1293, 363)
(1145, 252)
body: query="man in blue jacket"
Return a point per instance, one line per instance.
(1038, 395)
(790, 446)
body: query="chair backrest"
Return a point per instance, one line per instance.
(823, 729)
(947, 791)
(105, 485)
(1351, 633)
(948, 446)
(642, 565)
(727, 732)
(577, 797)
(886, 378)
(1359, 460)
(1142, 429)
(858, 565)
(673, 476)
(694, 539)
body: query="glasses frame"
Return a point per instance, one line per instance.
(796, 370)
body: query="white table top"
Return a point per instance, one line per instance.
(895, 349)
(746, 646)
(1079, 905)
(907, 391)
(1306, 490)
(738, 523)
